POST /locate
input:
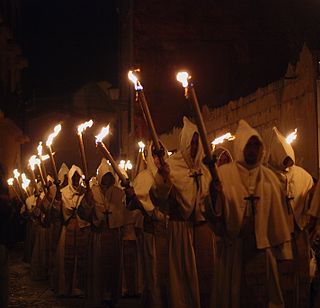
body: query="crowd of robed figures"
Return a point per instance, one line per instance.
(181, 238)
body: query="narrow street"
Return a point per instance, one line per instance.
(24, 292)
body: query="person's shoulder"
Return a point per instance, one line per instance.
(269, 174)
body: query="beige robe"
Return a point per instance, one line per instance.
(296, 184)
(186, 192)
(71, 256)
(154, 239)
(246, 270)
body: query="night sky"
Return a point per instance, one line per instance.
(69, 43)
(248, 43)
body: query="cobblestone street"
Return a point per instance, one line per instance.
(25, 292)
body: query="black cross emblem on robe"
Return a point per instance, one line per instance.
(252, 199)
(196, 176)
(288, 202)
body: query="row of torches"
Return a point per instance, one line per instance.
(22, 182)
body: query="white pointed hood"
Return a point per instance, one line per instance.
(183, 171)
(279, 150)
(103, 169)
(62, 172)
(243, 134)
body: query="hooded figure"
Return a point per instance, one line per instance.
(71, 256)
(223, 156)
(250, 218)
(186, 188)
(63, 175)
(154, 236)
(107, 217)
(296, 184)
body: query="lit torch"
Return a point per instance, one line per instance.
(32, 162)
(16, 175)
(222, 139)
(187, 84)
(41, 165)
(25, 183)
(81, 128)
(104, 132)
(145, 108)
(291, 137)
(55, 133)
(11, 184)
(140, 157)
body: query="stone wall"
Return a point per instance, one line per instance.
(288, 103)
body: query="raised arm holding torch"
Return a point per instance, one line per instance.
(81, 128)
(55, 133)
(145, 108)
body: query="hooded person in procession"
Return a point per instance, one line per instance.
(184, 183)
(247, 213)
(154, 236)
(71, 255)
(105, 244)
(296, 184)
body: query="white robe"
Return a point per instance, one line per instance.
(270, 225)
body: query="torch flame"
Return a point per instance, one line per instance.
(141, 146)
(125, 165)
(134, 79)
(25, 181)
(39, 149)
(183, 77)
(222, 138)
(291, 137)
(82, 127)
(16, 173)
(55, 133)
(10, 181)
(33, 161)
(104, 132)
(170, 153)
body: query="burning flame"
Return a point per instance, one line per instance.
(16, 173)
(141, 146)
(82, 127)
(10, 181)
(55, 133)
(134, 79)
(104, 132)
(34, 161)
(222, 138)
(170, 153)
(125, 165)
(25, 181)
(183, 77)
(291, 137)
(39, 149)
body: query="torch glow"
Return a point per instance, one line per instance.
(141, 146)
(125, 165)
(16, 173)
(222, 138)
(25, 181)
(55, 133)
(10, 181)
(291, 137)
(39, 149)
(34, 161)
(134, 79)
(82, 127)
(170, 153)
(183, 77)
(103, 133)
